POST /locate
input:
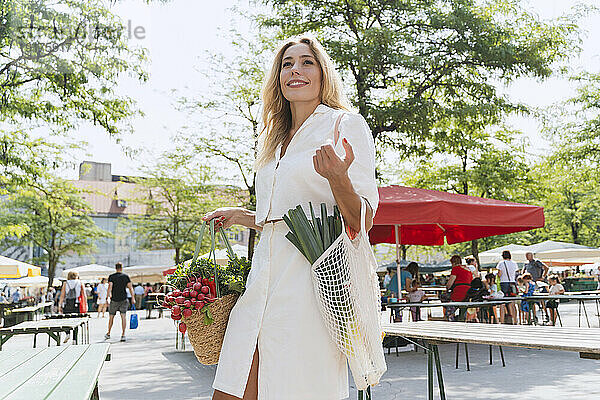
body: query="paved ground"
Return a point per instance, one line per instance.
(148, 367)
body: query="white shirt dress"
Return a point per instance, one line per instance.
(279, 311)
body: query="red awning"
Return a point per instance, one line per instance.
(425, 217)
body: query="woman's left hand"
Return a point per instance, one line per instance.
(329, 165)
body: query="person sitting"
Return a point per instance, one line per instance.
(477, 292)
(416, 296)
(458, 284)
(528, 287)
(494, 294)
(555, 289)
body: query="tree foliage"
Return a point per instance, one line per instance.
(414, 63)
(55, 218)
(59, 64)
(176, 194)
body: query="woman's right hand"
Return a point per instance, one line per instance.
(227, 216)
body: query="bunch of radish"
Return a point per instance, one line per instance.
(197, 295)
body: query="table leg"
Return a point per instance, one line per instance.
(558, 315)
(585, 312)
(34, 340)
(457, 351)
(490, 354)
(76, 335)
(438, 367)
(502, 356)
(578, 313)
(467, 356)
(429, 371)
(598, 312)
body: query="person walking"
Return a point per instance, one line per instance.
(507, 270)
(537, 269)
(118, 283)
(300, 160)
(139, 295)
(102, 292)
(69, 294)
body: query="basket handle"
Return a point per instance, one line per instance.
(213, 245)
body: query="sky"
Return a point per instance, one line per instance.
(179, 33)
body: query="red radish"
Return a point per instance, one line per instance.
(205, 289)
(197, 286)
(187, 303)
(176, 293)
(193, 300)
(199, 305)
(180, 300)
(186, 293)
(194, 293)
(205, 281)
(176, 310)
(187, 312)
(176, 317)
(182, 327)
(200, 296)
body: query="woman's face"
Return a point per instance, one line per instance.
(300, 75)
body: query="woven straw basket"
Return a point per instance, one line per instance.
(208, 339)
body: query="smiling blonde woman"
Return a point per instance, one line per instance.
(312, 149)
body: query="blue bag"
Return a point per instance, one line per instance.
(133, 319)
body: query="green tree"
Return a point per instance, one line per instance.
(176, 194)
(56, 219)
(413, 63)
(575, 124)
(478, 163)
(60, 65)
(571, 197)
(229, 134)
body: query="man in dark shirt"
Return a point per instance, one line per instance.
(118, 283)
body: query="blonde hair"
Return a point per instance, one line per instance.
(72, 275)
(276, 113)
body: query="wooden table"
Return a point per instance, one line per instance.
(457, 304)
(52, 327)
(585, 341)
(580, 298)
(30, 313)
(53, 373)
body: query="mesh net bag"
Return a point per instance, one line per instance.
(347, 290)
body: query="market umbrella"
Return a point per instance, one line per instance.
(90, 271)
(428, 217)
(145, 273)
(10, 268)
(550, 251)
(28, 281)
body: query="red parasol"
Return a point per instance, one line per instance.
(425, 217)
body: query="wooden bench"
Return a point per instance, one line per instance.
(53, 373)
(52, 327)
(585, 341)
